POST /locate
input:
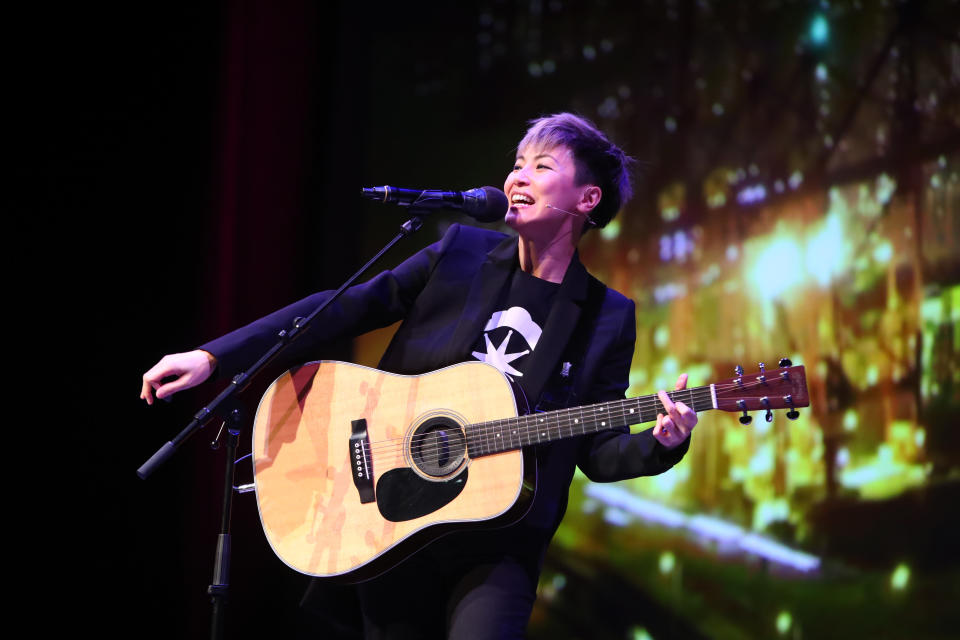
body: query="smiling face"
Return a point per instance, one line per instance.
(544, 176)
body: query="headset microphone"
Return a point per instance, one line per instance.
(575, 215)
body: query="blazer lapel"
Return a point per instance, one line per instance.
(560, 324)
(485, 292)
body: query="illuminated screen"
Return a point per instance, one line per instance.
(830, 525)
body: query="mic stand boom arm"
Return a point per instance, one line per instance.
(242, 380)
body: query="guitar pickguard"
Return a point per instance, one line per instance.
(403, 495)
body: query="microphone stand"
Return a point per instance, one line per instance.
(218, 590)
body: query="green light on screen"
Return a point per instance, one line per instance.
(611, 231)
(900, 577)
(850, 420)
(667, 562)
(639, 633)
(784, 622)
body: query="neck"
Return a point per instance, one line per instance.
(547, 260)
(495, 436)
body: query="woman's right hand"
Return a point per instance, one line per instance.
(190, 369)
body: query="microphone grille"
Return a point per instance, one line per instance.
(492, 206)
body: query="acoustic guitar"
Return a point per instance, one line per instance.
(357, 468)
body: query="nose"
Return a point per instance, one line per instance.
(518, 177)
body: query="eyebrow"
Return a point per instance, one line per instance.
(538, 156)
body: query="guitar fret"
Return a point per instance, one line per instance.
(539, 428)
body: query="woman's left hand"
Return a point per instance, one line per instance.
(674, 427)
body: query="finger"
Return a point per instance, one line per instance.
(682, 382)
(170, 388)
(665, 401)
(665, 430)
(671, 408)
(688, 417)
(151, 381)
(145, 393)
(670, 419)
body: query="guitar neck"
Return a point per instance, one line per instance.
(496, 436)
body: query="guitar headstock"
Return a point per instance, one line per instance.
(781, 388)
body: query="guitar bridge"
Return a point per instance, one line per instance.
(361, 461)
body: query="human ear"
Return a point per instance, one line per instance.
(589, 199)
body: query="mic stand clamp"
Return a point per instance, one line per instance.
(220, 586)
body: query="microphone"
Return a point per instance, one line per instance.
(486, 204)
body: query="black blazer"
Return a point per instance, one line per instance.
(444, 294)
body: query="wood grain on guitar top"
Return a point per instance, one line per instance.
(309, 507)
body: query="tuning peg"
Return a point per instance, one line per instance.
(745, 419)
(765, 401)
(793, 414)
(739, 371)
(785, 362)
(762, 378)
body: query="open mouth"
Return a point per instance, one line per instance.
(521, 200)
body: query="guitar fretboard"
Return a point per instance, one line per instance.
(496, 436)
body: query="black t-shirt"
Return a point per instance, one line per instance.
(513, 331)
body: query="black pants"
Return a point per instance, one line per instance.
(467, 585)
(440, 596)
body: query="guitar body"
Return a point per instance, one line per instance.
(357, 468)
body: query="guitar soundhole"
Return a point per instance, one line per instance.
(438, 447)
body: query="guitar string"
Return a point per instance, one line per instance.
(576, 418)
(560, 420)
(566, 417)
(482, 436)
(522, 430)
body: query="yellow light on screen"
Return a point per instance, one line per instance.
(827, 252)
(777, 268)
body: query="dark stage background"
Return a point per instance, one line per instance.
(797, 195)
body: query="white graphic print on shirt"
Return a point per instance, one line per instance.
(501, 326)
